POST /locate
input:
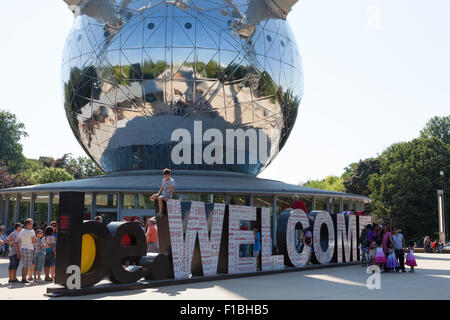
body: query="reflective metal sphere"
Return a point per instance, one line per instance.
(136, 71)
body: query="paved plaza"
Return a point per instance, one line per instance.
(430, 281)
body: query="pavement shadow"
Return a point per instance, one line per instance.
(101, 295)
(177, 290)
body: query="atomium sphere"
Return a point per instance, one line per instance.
(135, 72)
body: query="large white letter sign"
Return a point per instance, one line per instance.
(183, 249)
(176, 239)
(296, 259)
(323, 256)
(237, 237)
(363, 222)
(288, 222)
(268, 261)
(213, 242)
(346, 237)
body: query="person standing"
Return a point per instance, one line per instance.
(257, 246)
(375, 234)
(365, 242)
(27, 241)
(298, 204)
(5, 244)
(399, 244)
(386, 237)
(166, 191)
(2, 243)
(410, 259)
(54, 224)
(14, 252)
(152, 236)
(39, 255)
(427, 244)
(380, 257)
(50, 251)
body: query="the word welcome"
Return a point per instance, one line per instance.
(204, 240)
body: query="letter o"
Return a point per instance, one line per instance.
(323, 256)
(288, 222)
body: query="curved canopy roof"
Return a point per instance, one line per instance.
(186, 181)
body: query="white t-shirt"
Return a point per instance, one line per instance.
(166, 185)
(25, 238)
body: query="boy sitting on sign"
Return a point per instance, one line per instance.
(166, 191)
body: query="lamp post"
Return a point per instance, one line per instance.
(441, 173)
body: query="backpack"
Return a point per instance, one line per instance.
(364, 240)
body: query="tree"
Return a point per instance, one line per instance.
(404, 192)
(349, 170)
(11, 131)
(80, 167)
(357, 175)
(331, 183)
(50, 175)
(8, 180)
(438, 127)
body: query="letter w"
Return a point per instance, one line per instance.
(197, 226)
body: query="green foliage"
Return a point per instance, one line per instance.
(50, 175)
(404, 192)
(135, 72)
(11, 131)
(348, 171)
(82, 167)
(32, 165)
(80, 87)
(121, 75)
(151, 70)
(289, 106)
(356, 176)
(331, 183)
(210, 70)
(438, 127)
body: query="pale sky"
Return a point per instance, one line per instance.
(374, 70)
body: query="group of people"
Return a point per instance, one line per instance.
(385, 247)
(432, 246)
(35, 248)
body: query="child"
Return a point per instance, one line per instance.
(166, 191)
(307, 240)
(2, 243)
(50, 251)
(55, 236)
(39, 255)
(27, 241)
(391, 262)
(410, 259)
(14, 252)
(380, 257)
(372, 252)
